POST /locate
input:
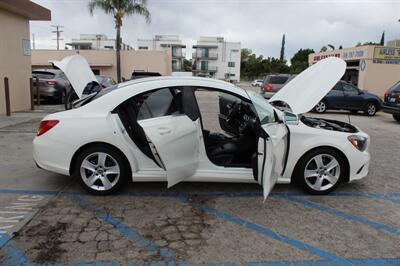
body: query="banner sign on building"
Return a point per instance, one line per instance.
(387, 55)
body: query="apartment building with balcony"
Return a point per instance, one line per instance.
(170, 43)
(96, 42)
(214, 57)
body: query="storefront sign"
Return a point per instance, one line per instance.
(320, 57)
(353, 54)
(386, 53)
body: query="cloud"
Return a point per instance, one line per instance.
(257, 24)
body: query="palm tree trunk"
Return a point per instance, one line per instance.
(118, 53)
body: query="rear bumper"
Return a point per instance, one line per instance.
(267, 95)
(390, 109)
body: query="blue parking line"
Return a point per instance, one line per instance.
(122, 228)
(344, 215)
(269, 233)
(14, 256)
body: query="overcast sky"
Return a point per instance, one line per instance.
(257, 24)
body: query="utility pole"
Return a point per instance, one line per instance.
(58, 33)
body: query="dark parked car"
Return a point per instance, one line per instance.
(273, 83)
(144, 74)
(345, 96)
(53, 84)
(391, 102)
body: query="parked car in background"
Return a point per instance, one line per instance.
(391, 102)
(273, 83)
(257, 83)
(105, 81)
(144, 74)
(345, 96)
(53, 84)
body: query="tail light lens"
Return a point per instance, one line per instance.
(386, 94)
(268, 88)
(46, 125)
(51, 82)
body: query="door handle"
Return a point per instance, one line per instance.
(164, 130)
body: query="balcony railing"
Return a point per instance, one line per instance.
(211, 56)
(205, 69)
(179, 54)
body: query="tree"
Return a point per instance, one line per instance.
(119, 9)
(382, 42)
(187, 65)
(299, 61)
(282, 55)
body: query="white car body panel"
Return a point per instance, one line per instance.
(308, 88)
(95, 122)
(78, 72)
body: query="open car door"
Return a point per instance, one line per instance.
(173, 137)
(272, 144)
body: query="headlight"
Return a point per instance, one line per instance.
(359, 142)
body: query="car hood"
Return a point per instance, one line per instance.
(78, 72)
(304, 91)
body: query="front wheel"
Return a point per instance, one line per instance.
(101, 170)
(320, 107)
(396, 117)
(320, 171)
(370, 109)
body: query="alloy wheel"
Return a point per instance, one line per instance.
(371, 109)
(322, 172)
(100, 171)
(320, 107)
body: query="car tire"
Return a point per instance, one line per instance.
(101, 170)
(370, 109)
(320, 107)
(396, 117)
(69, 99)
(63, 96)
(312, 174)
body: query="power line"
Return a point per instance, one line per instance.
(58, 33)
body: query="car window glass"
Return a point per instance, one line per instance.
(395, 88)
(277, 79)
(43, 75)
(338, 87)
(264, 109)
(348, 88)
(158, 103)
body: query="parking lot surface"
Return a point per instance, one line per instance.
(47, 218)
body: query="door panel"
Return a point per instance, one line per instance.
(176, 142)
(274, 154)
(352, 97)
(335, 97)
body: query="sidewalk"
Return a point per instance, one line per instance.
(26, 116)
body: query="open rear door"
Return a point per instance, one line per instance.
(175, 140)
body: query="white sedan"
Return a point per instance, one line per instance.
(257, 83)
(178, 129)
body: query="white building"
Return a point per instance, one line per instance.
(393, 43)
(215, 57)
(165, 43)
(95, 42)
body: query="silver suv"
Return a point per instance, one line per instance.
(273, 83)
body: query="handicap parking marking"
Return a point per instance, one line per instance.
(343, 214)
(14, 256)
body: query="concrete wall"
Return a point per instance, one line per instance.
(105, 62)
(13, 64)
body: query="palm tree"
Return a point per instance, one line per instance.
(120, 8)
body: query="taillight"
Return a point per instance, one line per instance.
(386, 94)
(268, 88)
(51, 82)
(45, 126)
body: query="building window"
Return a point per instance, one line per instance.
(143, 48)
(231, 64)
(234, 50)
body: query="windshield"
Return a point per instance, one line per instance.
(264, 109)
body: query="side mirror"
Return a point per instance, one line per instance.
(290, 118)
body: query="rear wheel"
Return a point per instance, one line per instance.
(320, 171)
(370, 109)
(101, 170)
(320, 107)
(396, 117)
(69, 99)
